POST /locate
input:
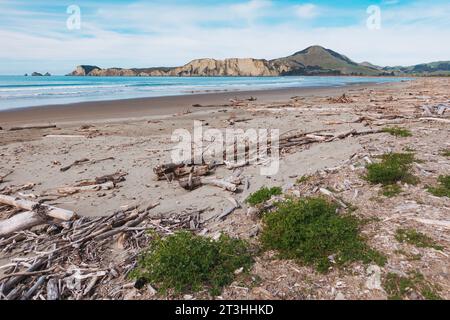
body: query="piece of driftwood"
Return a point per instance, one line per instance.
(21, 221)
(95, 187)
(115, 178)
(65, 136)
(50, 211)
(443, 120)
(5, 175)
(192, 183)
(32, 127)
(341, 99)
(173, 171)
(84, 161)
(52, 290)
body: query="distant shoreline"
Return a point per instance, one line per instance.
(119, 110)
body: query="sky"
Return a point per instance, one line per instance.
(44, 35)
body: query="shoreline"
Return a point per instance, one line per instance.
(123, 109)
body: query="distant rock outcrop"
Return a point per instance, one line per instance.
(314, 60)
(37, 74)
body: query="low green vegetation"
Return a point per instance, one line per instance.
(409, 256)
(442, 189)
(416, 238)
(185, 262)
(391, 190)
(311, 231)
(398, 132)
(303, 179)
(445, 153)
(399, 288)
(262, 195)
(394, 167)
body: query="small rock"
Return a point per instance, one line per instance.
(339, 296)
(151, 291)
(239, 271)
(188, 297)
(374, 280)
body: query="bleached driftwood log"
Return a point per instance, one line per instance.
(96, 187)
(53, 212)
(20, 221)
(194, 182)
(436, 119)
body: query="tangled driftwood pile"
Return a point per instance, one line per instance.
(70, 259)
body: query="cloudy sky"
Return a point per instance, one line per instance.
(35, 37)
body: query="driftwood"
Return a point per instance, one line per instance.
(35, 214)
(84, 161)
(70, 262)
(103, 180)
(341, 99)
(67, 136)
(443, 120)
(32, 127)
(194, 182)
(5, 175)
(50, 211)
(21, 221)
(95, 187)
(173, 171)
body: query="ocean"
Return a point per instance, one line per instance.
(21, 91)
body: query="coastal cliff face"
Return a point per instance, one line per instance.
(200, 67)
(314, 60)
(227, 67)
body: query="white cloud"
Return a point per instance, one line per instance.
(307, 11)
(173, 35)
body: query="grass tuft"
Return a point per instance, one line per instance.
(445, 153)
(399, 288)
(185, 262)
(262, 195)
(443, 189)
(311, 232)
(391, 190)
(398, 132)
(394, 167)
(416, 238)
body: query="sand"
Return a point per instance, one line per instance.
(137, 133)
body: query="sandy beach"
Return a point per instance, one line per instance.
(133, 137)
(101, 111)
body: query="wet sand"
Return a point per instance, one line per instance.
(157, 106)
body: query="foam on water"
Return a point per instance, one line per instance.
(20, 91)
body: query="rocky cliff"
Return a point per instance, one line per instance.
(314, 60)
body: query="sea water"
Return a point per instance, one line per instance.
(21, 91)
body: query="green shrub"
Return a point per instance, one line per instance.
(262, 195)
(398, 287)
(310, 231)
(416, 238)
(398, 132)
(394, 167)
(391, 190)
(186, 262)
(443, 189)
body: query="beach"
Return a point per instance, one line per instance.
(133, 136)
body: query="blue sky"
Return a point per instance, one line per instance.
(130, 33)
